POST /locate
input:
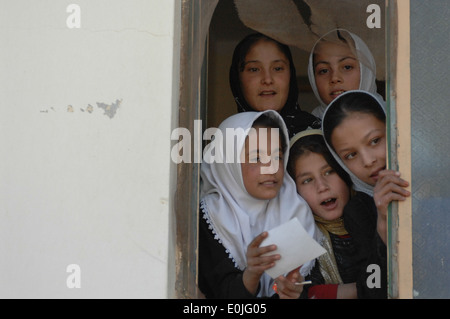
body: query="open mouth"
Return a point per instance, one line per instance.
(336, 93)
(329, 203)
(267, 93)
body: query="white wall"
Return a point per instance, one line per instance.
(80, 187)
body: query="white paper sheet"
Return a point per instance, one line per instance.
(294, 245)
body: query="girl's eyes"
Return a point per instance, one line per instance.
(372, 142)
(350, 156)
(375, 141)
(322, 71)
(308, 180)
(256, 69)
(257, 159)
(325, 71)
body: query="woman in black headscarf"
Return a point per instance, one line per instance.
(262, 77)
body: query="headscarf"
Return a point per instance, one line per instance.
(327, 262)
(236, 217)
(358, 184)
(296, 119)
(366, 63)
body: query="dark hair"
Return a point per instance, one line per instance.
(267, 121)
(346, 104)
(247, 43)
(237, 66)
(314, 144)
(296, 120)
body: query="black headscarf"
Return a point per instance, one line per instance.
(296, 120)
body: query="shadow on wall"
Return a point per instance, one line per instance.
(311, 17)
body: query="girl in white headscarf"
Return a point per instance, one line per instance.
(354, 127)
(340, 61)
(238, 208)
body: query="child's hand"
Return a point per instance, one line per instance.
(256, 263)
(389, 187)
(286, 288)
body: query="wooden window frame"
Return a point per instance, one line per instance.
(399, 148)
(192, 107)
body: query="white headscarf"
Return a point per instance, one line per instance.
(358, 184)
(366, 63)
(236, 217)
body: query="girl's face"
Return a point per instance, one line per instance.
(266, 77)
(322, 188)
(336, 70)
(262, 165)
(360, 142)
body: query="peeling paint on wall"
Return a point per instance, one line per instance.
(110, 110)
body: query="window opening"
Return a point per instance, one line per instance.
(205, 92)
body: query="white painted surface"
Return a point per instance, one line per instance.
(78, 187)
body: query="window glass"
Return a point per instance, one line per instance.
(430, 130)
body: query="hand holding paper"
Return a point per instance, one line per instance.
(294, 245)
